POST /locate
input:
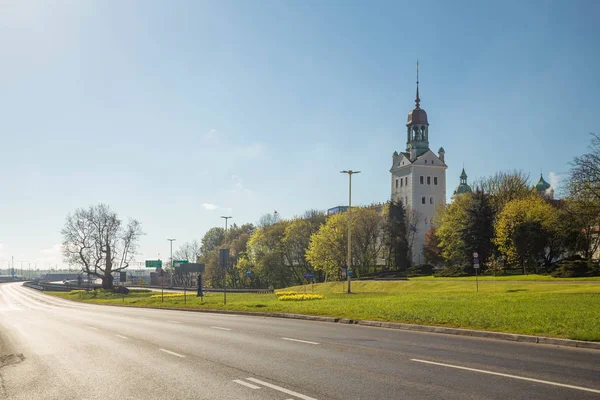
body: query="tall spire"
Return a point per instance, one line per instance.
(418, 100)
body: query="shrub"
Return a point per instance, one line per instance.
(575, 268)
(300, 297)
(454, 271)
(420, 270)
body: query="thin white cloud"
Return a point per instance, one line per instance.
(554, 179)
(210, 206)
(212, 133)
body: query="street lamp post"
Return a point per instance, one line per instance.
(349, 259)
(225, 270)
(172, 268)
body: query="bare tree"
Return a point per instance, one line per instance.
(189, 251)
(584, 179)
(584, 191)
(268, 220)
(96, 240)
(505, 186)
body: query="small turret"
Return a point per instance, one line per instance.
(441, 154)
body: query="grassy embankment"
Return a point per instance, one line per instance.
(535, 308)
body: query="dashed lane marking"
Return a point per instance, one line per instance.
(251, 386)
(172, 353)
(298, 340)
(507, 375)
(218, 327)
(280, 389)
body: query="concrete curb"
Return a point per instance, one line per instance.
(513, 337)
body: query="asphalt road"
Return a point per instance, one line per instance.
(55, 349)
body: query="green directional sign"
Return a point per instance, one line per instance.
(179, 263)
(154, 264)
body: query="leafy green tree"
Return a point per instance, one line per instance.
(477, 229)
(212, 239)
(396, 237)
(523, 228)
(327, 249)
(450, 222)
(266, 251)
(432, 252)
(297, 240)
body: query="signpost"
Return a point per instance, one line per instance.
(223, 262)
(476, 266)
(312, 281)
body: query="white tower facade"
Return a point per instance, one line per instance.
(418, 179)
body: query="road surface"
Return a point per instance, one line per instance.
(56, 349)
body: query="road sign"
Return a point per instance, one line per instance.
(248, 274)
(190, 267)
(178, 263)
(476, 261)
(475, 255)
(123, 277)
(350, 273)
(153, 264)
(476, 266)
(309, 276)
(223, 258)
(343, 272)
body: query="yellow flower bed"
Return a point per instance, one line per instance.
(154, 296)
(77, 291)
(300, 297)
(285, 293)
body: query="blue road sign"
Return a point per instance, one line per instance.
(248, 274)
(350, 273)
(476, 261)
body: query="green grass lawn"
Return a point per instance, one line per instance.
(534, 308)
(530, 277)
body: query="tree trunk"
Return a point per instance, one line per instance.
(107, 281)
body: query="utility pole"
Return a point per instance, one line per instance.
(225, 270)
(172, 268)
(349, 259)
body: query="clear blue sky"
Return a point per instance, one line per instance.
(175, 113)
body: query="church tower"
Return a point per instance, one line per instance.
(418, 178)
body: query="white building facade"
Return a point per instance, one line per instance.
(418, 178)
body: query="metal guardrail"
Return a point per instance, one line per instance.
(211, 290)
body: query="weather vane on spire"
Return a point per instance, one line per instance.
(417, 100)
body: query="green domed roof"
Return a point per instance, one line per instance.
(441, 150)
(542, 185)
(463, 188)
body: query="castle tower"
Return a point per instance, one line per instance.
(418, 177)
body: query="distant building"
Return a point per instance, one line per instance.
(463, 187)
(544, 189)
(337, 210)
(418, 177)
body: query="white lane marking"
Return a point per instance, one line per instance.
(298, 340)
(172, 353)
(251, 386)
(92, 327)
(508, 376)
(218, 327)
(174, 322)
(121, 336)
(279, 388)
